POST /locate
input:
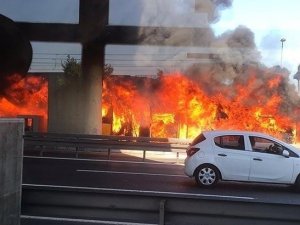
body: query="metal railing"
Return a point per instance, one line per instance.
(79, 143)
(145, 207)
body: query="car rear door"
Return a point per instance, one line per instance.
(231, 157)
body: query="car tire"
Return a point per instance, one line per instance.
(207, 175)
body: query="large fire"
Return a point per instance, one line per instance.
(175, 106)
(26, 96)
(170, 105)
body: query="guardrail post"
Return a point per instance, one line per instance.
(108, 153)
(41, 150)
(177, 157)
(162, 212)
(144, 155)
(77, 149)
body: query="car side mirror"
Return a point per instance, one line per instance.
(286, 153)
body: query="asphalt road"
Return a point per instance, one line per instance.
(150, 176)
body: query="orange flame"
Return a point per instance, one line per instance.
(27, 96)
(171, 105)
(178, 107)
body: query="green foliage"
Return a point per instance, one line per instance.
(72, 71)
(108, 69)
(71, 67)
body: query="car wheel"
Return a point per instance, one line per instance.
(207, 176)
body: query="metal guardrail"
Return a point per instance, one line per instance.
(80, 142)
(146, 207)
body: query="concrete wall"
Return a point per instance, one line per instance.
(11, 164)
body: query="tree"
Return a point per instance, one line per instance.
(108, 69)
(71, 67)
(72, 70)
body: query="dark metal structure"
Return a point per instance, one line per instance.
(15, 53)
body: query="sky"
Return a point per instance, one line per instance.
(269, 20)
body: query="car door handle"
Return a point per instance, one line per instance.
(224, 155)
(257, 159)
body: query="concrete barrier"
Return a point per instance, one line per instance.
(11, 163)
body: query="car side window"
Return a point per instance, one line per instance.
(264, 145)
(230, 142)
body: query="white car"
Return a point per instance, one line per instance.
(241, 156)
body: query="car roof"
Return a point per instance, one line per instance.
(214, 133)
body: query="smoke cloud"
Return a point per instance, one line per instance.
(233, 58)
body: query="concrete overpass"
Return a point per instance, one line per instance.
(79, 105)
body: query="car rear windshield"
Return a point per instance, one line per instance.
(198, 139)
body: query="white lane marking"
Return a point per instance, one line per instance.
(79, 220)
(140, 191)
(131, 173)
(104, 160)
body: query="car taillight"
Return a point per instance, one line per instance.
(192, 151)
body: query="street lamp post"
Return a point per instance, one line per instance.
(282, 40)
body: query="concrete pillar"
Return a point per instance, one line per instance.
(76, 107)
(92, 69)
(92, 61)
(65, 114)
(11, 163)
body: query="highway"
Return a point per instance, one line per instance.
(128, 173)
(136, 175)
